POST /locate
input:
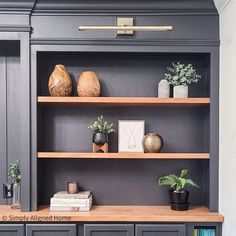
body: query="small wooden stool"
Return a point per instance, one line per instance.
(100, 148)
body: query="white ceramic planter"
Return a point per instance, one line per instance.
(163, 89)
(180, 91)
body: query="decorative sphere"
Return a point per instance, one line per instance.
(152, 143)
(88, 84)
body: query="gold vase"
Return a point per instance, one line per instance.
(60, 83)
(88, 84)
(152, 143)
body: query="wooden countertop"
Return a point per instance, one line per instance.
(112, 214)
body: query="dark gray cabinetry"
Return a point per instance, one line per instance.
(12, 230)
(51, 230)
(160, 230)
(108, 230)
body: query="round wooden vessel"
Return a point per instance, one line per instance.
(88, 84)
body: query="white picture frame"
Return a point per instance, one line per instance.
(130, 135)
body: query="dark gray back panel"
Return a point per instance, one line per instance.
(66, 128)
(121, 182)
(123, 74)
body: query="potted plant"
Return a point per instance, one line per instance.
(180, 76)
(101, 129)
(15, 176)
(177, 193)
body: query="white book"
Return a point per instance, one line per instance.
(70, 208)
(56, 208)
(65, 195)
(70, 200)
(71, 205)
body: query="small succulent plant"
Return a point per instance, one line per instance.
(101, 126)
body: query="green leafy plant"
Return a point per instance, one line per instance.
(101, 126)
(177, 183)
(181, 74)
(14, 171)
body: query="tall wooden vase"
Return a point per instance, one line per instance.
(60, 83)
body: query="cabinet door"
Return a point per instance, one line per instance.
(51, 230)
(160, 230)
(12, 230)
(108, 230)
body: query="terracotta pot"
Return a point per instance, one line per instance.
(60, 83)
(88, 84)
(152, 143)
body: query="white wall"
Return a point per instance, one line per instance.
(228, 117)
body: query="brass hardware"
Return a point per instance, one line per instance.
(125, 22)
(125, 27)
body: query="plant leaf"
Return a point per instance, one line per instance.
(183, 173)
(190, 182)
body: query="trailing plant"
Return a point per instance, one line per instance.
(14, 171)
(181, 74)
(101, 126)
(177, 183)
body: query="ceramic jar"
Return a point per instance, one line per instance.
(152, 143)
(181, 91)
(163, 89)
(88, 84)
(60, 83)
(100, 138)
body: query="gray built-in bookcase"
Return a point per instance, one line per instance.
(36, 35)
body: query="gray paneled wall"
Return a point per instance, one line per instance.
(10, 81)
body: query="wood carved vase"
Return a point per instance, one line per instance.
(88, 84)
(60, 83)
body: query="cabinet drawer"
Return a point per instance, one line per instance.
(160, 230)
(12, 230)
(108, 230)
(66, 27)
(50, 230)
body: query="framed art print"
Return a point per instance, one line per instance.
(130, 135)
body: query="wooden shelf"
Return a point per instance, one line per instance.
(125, 101)
(87, 155)
(114, 214)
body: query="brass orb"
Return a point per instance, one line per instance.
(152, 143)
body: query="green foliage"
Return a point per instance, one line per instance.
(181, 74)
(177, 183)
(14, 171)
(101, 126)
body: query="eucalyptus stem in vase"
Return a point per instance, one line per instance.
(180, 76)
(15, 176)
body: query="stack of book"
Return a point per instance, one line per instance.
(204, 232)
(63, 201)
